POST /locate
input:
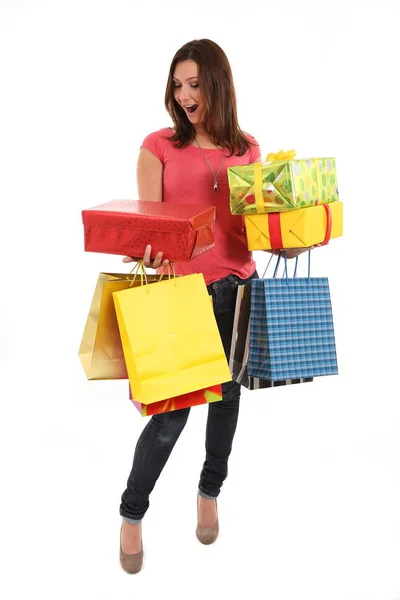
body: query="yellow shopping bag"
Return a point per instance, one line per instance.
(101, 351)
(170, 338)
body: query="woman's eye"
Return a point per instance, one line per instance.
(176, 86)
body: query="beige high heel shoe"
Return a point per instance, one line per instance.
(131, 563)
(206, 535)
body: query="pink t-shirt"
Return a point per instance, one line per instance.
(187, 179)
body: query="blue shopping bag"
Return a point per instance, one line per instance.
(239, 355)
(291, 327)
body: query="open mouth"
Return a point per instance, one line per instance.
(192, 108)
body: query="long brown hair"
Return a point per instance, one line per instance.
(218, 91)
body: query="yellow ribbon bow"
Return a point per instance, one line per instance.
(281, 155)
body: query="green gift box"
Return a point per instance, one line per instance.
(282, 185)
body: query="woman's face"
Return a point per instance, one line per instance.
(187, 92)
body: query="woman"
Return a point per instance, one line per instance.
(188, 163)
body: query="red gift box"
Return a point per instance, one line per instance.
(125, 227)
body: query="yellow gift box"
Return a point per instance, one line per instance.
(296, 228)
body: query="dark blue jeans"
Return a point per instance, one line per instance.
(158, 438)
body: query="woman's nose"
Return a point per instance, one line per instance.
(183, 95)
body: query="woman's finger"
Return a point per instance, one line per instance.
(146, 257)
(128, 259)
(157, 260)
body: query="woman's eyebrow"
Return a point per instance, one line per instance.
(188, 79)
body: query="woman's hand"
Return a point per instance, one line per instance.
(158, 261)
(293, 252)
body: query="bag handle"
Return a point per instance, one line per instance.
(285, 272)
(277, 265)
(139, 268)
(295, 268)
(171, 269)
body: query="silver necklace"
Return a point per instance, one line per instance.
(215, 175)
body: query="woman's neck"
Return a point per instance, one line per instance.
(203, 137)
(200, 131)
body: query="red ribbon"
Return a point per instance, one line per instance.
(275, 231)
(328, 224)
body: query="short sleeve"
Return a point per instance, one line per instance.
(255, 151)
(155, 144)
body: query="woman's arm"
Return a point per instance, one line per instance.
(149, 173)
(292, 252)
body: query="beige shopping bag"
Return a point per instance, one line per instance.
(101, 351)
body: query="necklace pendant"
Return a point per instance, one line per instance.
(215, 188)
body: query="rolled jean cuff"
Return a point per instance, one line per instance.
(203, 495)
(132, 521)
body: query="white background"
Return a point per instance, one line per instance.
(311, 508)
